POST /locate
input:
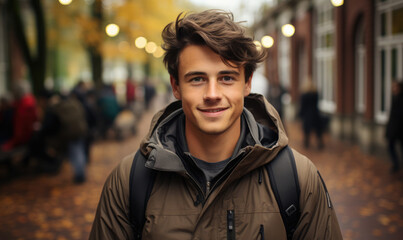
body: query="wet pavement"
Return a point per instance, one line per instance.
(368, 199)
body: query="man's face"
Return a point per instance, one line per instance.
(212, 92)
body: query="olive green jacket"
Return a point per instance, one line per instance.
(179, 207)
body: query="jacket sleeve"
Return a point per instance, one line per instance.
(318, 219)
(112, 216)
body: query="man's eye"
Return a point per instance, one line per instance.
(227, 78)
(196, 79)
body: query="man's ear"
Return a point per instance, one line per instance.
(248, 86)
(175, 87)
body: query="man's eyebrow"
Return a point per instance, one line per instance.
(224, 72)
(195, 73)
(229, 72)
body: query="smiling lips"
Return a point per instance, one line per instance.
(213, 112)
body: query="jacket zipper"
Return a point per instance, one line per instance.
(230, 225)
(200, 196)
(229, 170)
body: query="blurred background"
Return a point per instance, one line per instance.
(81, 79)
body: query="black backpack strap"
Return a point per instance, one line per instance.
(141, 184)
(284, 182)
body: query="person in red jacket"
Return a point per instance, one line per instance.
(25, 116)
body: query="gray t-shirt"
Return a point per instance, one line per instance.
(211, 170)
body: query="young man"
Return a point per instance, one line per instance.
(209, 150)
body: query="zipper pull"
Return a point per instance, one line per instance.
(230, 225)
(261, 232)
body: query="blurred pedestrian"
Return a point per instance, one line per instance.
(275, 95)
(25, 116)
(394, 127)
(130, 93)
(149, 92)
(41, 148)
(108, 108)
(6, 119)
(72, 131)
(309, 113)
(84, 96)
(62, 133)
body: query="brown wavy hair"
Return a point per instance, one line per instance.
(215, 29)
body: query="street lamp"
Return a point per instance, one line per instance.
(267, 41)
(288, 30)
(140, 42)
(112, 30)
(65, 2)
(337, 3)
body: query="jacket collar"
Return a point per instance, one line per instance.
(161, 144)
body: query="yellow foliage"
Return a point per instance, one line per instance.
(147, 18)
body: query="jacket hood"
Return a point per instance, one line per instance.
(266, 136)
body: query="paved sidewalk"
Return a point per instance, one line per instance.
(53, 207)
(368, 200)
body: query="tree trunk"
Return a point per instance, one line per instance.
(95, 55)
(96, 67)
(39, 64)
(36, 64)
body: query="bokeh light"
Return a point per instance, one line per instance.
(288, 30)
(258, 45)
(337, 3)
(151, 47)
(140, 42)
(158, 52)
(112, 30)
(65, 2)
(267, 41)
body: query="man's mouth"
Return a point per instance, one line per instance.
(213, 110)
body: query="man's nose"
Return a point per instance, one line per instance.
(213, 91)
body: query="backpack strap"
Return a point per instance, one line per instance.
(141, 184)
(284, 182)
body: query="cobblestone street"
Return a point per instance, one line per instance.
(367, 198)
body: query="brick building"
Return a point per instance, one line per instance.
(352, 52)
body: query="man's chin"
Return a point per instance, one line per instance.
(213, 131)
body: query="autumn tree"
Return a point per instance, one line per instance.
(139, 18)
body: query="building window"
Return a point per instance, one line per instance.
(360, 68)
(389, 54)
(324, 41)
(397, 21)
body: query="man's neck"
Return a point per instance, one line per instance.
(213, 147)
